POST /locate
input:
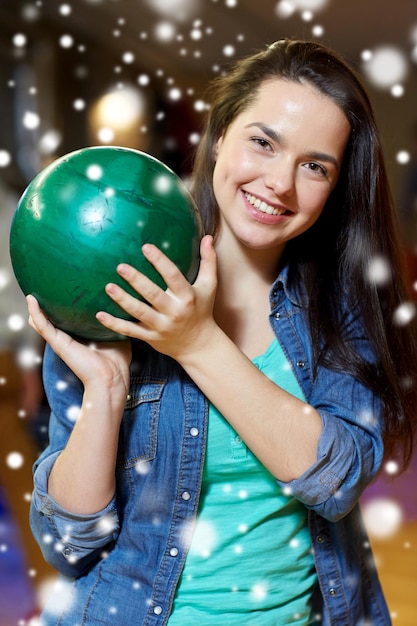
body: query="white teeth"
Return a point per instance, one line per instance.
(263, 206)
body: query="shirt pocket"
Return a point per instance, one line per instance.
(139, 427)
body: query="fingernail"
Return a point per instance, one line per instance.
(147, 248)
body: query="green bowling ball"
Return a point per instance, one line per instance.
(87, 212)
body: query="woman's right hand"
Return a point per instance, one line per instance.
(104, 363)
(92, 447)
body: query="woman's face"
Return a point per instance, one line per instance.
(276, 165)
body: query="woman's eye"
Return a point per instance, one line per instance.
(263, 143)
(315, 167)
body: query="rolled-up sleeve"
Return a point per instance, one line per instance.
(69, 542)
(350, 449)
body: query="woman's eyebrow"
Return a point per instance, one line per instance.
(323, 156)
(314, 155)
(267, 130)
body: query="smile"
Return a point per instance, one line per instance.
(263, 206)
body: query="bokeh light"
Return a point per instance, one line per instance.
(15, 460)
(382, 517)
(385, 66)
(177, 10)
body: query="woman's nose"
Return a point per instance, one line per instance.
(280, 177)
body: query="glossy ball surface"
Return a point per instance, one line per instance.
(87, 212)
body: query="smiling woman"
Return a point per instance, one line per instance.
(257, 402)
(284, 166)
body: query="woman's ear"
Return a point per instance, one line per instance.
(217, 146)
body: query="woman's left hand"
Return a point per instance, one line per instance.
(173, 321)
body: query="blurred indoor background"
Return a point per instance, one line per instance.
(133, 72)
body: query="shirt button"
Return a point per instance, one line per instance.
(174, 552)
(194, 431)
(157, 610)
(300, 364)
(186, 495)
(67, 552)
(332, 591)
(320, 539)
(277, 316)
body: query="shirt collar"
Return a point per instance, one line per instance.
(296, 293)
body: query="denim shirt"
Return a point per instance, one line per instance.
(122, 564)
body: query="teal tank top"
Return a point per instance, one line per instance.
(250, 560)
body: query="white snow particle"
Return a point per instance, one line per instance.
(15, 322)
(310, 5)
(105, 135)
(391, 467)
(94, 172)
(142, 468)
(66, 41)
(382, 517)
(162, 184)
(175, 94)
(31, 120)
(228, 50)
(5, 158)
(196, 34)
(404, 313)
(165, 31)
(317, 30)
(15, 460)
(73, 413)
(65, 9)
(78, 104)
(143, 80)
(200, 105)
(307, 16)
(403, 157)
(258, 592)
(28, 358)
(397, 91)
(194, 138)
(19, 40)
(379, 271)
(106, 525)
(128, 57)
(4, 278)
(205, 539)
(50, 141)
(285, 8)
(385, 66)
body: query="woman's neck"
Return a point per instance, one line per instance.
(241, 268)
(242, 298)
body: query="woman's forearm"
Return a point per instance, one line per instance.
(83, 478)
(281, 430)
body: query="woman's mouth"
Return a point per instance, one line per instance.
(264, 207)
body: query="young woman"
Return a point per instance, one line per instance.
(213, 472)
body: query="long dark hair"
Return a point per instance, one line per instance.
(358, 228)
